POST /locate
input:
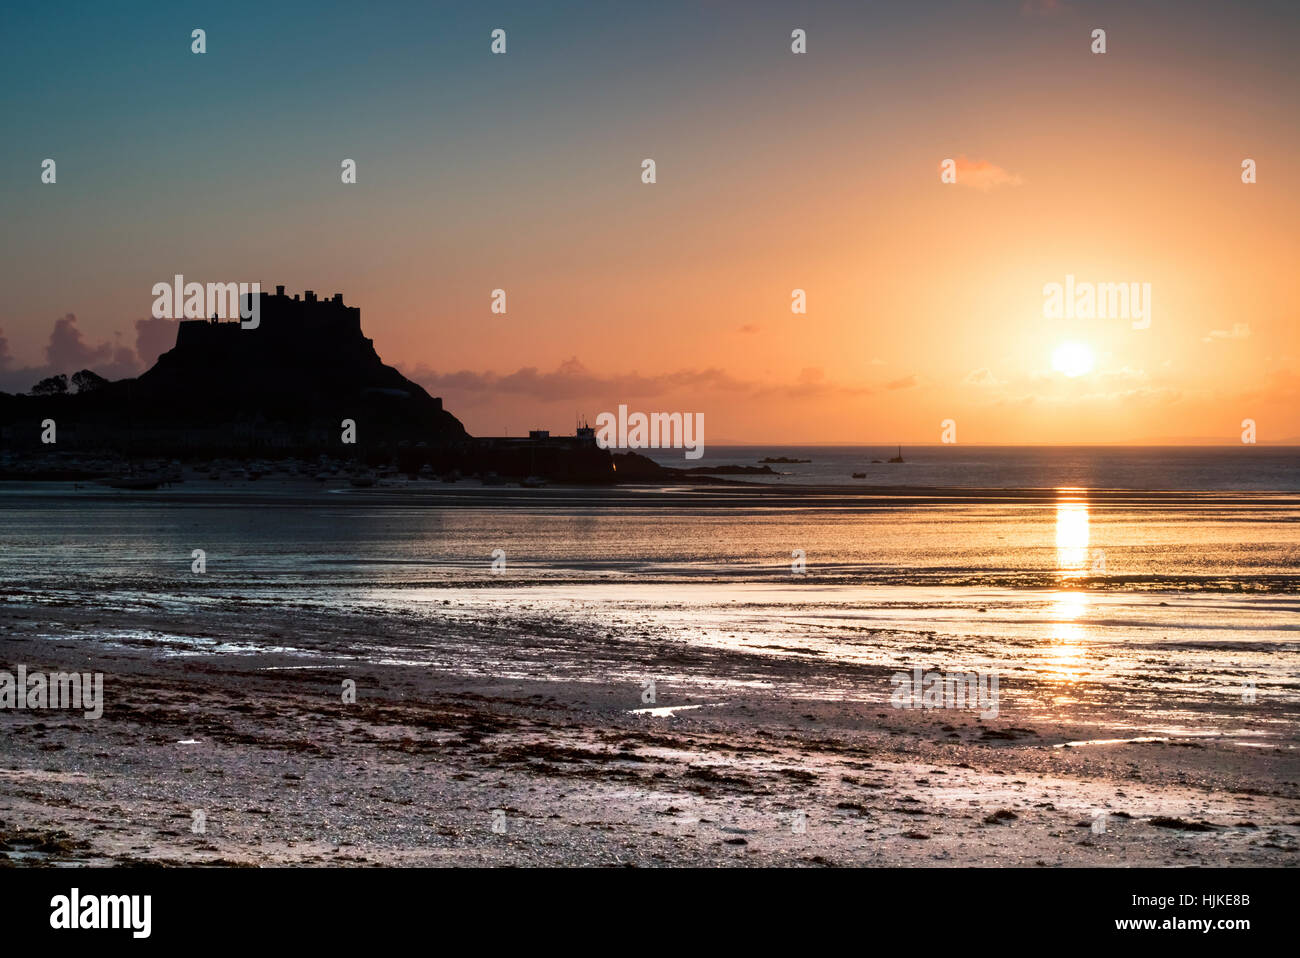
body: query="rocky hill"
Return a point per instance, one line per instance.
(286, 385)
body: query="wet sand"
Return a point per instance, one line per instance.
(534, 751)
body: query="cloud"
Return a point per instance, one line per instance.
(983, 175)
(1125, 374)
(906, 382)
(66, 350)
(1124, 385)
(749, 328)
(981, 377)
(1238, 331)
(571, 380)
(1146, 395)
(66, 353)
(1143, 396)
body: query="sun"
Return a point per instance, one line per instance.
(1073, 359)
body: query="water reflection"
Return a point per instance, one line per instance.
(1067, 634)
(1072, 535)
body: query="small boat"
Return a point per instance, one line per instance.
(859, 475)
(533, 482)
(899, 457)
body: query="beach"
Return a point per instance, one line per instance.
(649, 677)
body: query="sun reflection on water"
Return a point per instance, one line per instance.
(1067, 635)
(1072, 536)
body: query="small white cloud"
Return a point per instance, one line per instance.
(1238, 331)
(983, 175)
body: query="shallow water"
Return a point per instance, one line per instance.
(1182, 608)
(303, 536)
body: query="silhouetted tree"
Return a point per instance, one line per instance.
(87, 382)
(51, 386)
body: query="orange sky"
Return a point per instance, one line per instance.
(775, 171)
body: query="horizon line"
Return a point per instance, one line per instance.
(1290, 443)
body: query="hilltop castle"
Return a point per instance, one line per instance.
(281, 318)
(303, 381)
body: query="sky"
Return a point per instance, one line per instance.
(775, 171)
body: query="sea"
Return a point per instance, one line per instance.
(1167, 576)
(1242, 468)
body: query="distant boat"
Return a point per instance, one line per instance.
(899, 457)
(533, 482)
(859, 475)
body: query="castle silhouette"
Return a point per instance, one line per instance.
(281, 317)
(283, 389)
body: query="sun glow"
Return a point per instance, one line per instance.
(1073, 359)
